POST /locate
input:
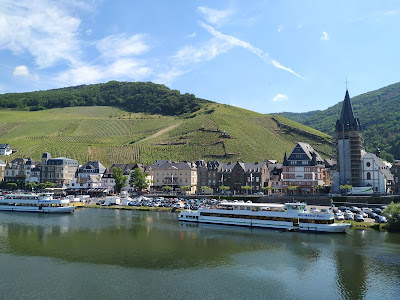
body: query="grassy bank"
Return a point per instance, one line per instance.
(366, 225)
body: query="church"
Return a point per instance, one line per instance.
(355, 166)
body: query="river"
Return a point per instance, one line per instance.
(116, 254)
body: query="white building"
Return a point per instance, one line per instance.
(376, 174)
(5, 149)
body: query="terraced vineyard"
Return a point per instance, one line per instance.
(217, 132)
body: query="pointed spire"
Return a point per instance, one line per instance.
(347, 121)
(285, 160)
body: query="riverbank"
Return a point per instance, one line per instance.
(367, 225)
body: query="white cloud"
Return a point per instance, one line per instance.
(21, 71)
(280, 28)
(231, 41)
(324, 36)
(215, 16)
(280, 97)
(169, 76)
(192, 54)
(192, 35)
(391, 12)
(121, 68)
(41, 28)
(115, 46)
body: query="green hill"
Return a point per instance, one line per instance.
(379, 114)
(135, 97)
(112, 135)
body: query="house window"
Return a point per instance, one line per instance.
(368, 175)
(368, 164)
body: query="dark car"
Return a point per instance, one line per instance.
(380, 219)
(378, 211)
(100, 202)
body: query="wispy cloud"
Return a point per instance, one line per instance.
(231, 41)
(41, 28)
(215, 16)
(192, 35)
(324, 36)
(115, 46)
(391, 12)
(280, 97)
(280, 28)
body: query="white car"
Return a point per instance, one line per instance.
(339, 217)
(348, 215)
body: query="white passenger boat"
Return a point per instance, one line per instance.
(43, 203)
(289, 216)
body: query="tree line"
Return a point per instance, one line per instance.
(145, 97)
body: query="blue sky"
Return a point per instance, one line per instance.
(266, 56)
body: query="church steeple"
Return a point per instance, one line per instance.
(347, 121)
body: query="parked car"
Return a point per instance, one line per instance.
(373, 215)
(366, 210)
(324, 210)
(348, 215)
(359, 218)
(378, 211)
(380, 219)
(355, 209)
(100, 202)
(334, 195)
(339, 216)
(343, 208)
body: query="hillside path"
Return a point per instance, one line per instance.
(162, 131)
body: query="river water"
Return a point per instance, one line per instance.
(115, 254)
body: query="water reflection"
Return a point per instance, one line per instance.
(346, 265)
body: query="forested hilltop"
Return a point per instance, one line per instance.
(379, 114)
(136, 97)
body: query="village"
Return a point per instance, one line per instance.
(302, 172)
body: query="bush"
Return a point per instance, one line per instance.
(392, 213)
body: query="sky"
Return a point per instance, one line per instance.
(265, 56)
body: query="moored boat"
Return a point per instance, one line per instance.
(289, 216)
(42, 203)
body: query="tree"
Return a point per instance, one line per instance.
(346, 187)
(186, 188)
(31, 186)
(268, 188)
(292, 188)
(246, 188)
(47, 185)
(167, 188)
(138, 180)
(120, 179)
(318, 188)
(224, 188)
(11, 185)
(392, 213)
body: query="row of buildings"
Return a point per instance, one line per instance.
(303, 171)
